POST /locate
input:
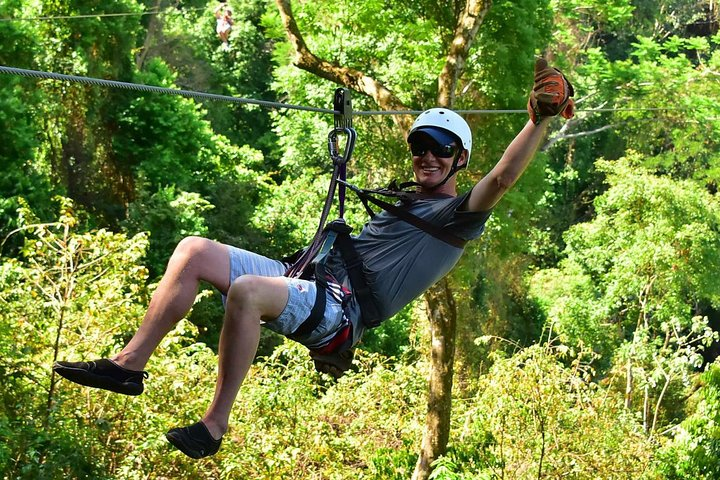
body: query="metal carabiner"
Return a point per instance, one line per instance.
(349, 144)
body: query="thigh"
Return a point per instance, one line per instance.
(301, 297)
(266, 296)
(244, 262)
(293, 298)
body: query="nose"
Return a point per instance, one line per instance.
(428, 154)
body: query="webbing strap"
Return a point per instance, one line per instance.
(338, 176)
(403, 214)
(316, 315)
(371, 315)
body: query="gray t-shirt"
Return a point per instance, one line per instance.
(401, 261)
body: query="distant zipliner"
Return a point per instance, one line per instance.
(223, 15)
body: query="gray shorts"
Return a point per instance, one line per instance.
(301, 298)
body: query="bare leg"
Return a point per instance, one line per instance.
(193, 260)
(250, 299)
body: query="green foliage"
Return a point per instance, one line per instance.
(20, 136)
(538, 414)
(77, 121)
(70, 288)
(648, 67)
(394, 338)
(695, 449)
(303, 195)
(649, 254)
(680, 131)
(79, 295)
(188, 43)
(163, 137)
(170, 215)
(492, 270)
(631, 280)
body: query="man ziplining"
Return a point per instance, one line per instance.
(397, 261)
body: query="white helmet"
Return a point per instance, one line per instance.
(436, 121)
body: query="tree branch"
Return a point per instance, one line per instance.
(345, 76)
(564, 136)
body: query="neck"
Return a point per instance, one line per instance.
(448, 188)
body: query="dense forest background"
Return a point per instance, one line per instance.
(587, 314)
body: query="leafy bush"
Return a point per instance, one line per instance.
(694, 452)
(71, 294)
(538, 414)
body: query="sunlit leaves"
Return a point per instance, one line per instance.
(650, 251)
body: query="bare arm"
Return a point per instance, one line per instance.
(488, 191)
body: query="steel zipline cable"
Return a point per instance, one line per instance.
(98, 15)
(264, 103)
(151, 88)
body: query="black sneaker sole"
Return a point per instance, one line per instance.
(182, 438)
(89, 379)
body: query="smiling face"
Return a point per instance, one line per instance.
(432, 163)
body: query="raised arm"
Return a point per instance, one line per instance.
(488, 191)
(550, 96)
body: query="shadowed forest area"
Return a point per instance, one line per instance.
(579, 332)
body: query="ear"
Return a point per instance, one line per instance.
(462, 161)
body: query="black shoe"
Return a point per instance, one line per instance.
(194, 441)
(104, 374)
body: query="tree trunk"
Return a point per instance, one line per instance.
(348, 77)
(628, 385)
(466, 28)
(443, 325)
(154, 28)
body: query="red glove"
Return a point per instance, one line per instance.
(551, 93)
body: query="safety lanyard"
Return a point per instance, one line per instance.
(321, 242)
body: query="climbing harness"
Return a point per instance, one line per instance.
(310, 262)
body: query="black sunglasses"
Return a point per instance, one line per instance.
(440, 151)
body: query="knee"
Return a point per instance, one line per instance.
(192, 247)
(261, 296)
(192, 253)
(244, 290)
(248, 293)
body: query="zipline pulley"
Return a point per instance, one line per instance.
(342, 104)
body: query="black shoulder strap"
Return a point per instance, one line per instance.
(424, 225)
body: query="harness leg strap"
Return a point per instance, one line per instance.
(316, 315)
